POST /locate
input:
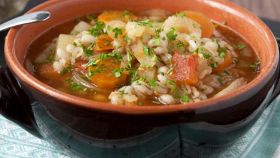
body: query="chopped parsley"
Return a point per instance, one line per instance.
(126, 13)
(133, 75)
(74, 86)
(145, 22)
(50, 58)
(129, 59)
(201, 50)
(181, 44)
(256, 66)
(156, 41)
(117, 32)
(118, 72)
(172, 84)
(97, 30)
(181, 14)
(214, 65)
(88, 52)
(222, 51)
(92, 72)
(90, 63)
(75, 44)
(240, 46)
(158, 31)
(113, 54)
(146, 50)
(185, 98)
(127, 39)
(171, 35)
(153, 83)
(66, 70)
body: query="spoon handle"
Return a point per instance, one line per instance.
(26, 19)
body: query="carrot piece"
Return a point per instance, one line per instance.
(47, 71)
(115, 15)
(103, 44)
(227, 62)
(104, 76)
(185, 69)
(205, 23)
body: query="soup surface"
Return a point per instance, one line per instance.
(150, 58)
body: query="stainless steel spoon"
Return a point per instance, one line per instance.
(26, 19)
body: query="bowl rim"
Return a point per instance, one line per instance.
(22, 74)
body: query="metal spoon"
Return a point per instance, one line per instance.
(26, 19)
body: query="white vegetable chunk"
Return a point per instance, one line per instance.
(62, 57)
(144, 59)
(234, 85)
(81, 26)
(63, 40)
(182, 25)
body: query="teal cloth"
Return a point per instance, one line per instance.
(262, 140)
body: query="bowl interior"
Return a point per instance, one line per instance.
(243, 22)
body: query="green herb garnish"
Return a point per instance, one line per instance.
(118, 72)
(66, 70)
(97, 30)
(256, 66)
(153, 83)
(117, 32)
(171, 35)
(181, 14)
(90, 63)
(181, 44)
(214, 65)
(74, 86)
(185, 98)
(126, 13)
(145, 22)
(146, 50)
(113, 54)
(50, 58)
(240, 46)
(129, 59)
(222, 51)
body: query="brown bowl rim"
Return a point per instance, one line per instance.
(30, 80)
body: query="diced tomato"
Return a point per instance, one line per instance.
(185, 70)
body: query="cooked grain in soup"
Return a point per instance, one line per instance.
(151, 58)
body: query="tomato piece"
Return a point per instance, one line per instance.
(115, 15)
(103, 44)
(185, 70)
(205, 23)
(227, 62)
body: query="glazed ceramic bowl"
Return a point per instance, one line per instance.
(236, 111)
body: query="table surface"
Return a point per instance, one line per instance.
(263, 8)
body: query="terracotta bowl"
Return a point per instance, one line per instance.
(237, 110)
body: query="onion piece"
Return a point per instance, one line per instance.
(77, 78)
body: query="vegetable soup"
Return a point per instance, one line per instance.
(150, 58)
